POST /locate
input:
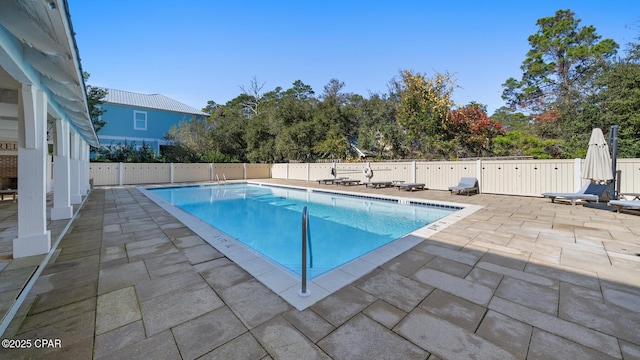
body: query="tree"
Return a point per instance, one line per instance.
(127, 152)
(562, 54)
(253, 98)
(620, 103)
(229, 128)
(423, 106)
(95, 97)
(511, 120)
(291, 123)
(522, 143)
(331, 113)
(334, 146)
(260, 141)
(560, 67)
(333, 91)
(633, 48)
(297, 141)
(378, 132)
(193, 137)
(211, 107)
(548, 124)
(471, 131)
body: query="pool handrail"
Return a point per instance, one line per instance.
(304, 292)
(223, 177)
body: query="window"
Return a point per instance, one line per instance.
(139, 120)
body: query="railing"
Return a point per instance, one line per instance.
(304, 292)
(223, 177)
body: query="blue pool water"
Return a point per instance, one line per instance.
(268, 219)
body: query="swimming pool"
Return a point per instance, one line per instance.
(283, 281)
(268, 220)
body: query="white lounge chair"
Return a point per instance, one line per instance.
(466, 185)
(589, 192)
(625, 204)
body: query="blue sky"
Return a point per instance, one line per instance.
(200, 50)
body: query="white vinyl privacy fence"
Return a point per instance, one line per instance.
(168, 173)
(508, 177)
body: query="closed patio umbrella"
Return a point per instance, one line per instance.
(597, 165)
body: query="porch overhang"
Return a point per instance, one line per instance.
(37, 47)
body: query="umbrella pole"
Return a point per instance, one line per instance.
(613, 140)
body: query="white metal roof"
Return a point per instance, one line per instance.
(150, 101)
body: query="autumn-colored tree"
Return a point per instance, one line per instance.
(547, 124)
(472, 131)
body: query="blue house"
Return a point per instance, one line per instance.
(133, 118)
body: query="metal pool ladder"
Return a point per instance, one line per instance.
(223, 177)
(306, 238)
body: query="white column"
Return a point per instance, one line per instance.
(83, 158)
(74, 167)
(62, 208)
(33, 236)
(87, 165)
(49, 173)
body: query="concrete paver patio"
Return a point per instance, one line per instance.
(521, 278)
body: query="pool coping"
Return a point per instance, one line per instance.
(285, 282)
